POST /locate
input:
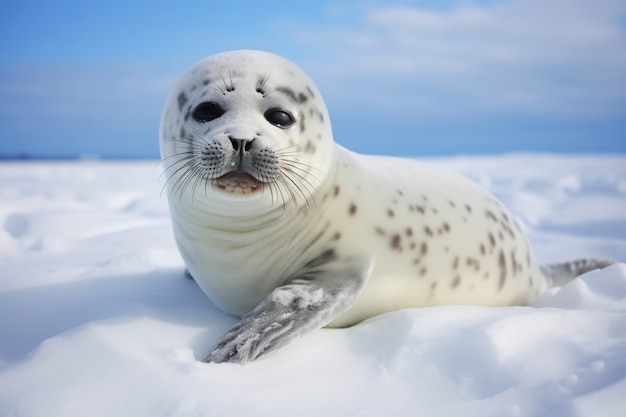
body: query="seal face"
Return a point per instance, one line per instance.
(246, 124)
(291, 232)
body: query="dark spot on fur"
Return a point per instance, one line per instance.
(489, 214)
(451, 203)
(309, 148)
(409, 231)
(446, 227)
(182, 100)
(296, 98)
(336, 191)
(492, 240)
(456, 282)
(379, 231)
(428, 231)
(423, 271)
(473, 263)
(303, 126)
(515, 267)
(455, 262)
(423, 248)
(288, 92)
(337, 236)
(400, 193)
(390, 213)
(508, 230)
(482, 249)
(395, 241)
(352, 209)
(502, 265)
(468, 208)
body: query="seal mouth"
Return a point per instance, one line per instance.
(238, 183)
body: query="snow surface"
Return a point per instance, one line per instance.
(97, 318)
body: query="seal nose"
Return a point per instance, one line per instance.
(241, 146)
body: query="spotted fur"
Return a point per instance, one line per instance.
(290, 231)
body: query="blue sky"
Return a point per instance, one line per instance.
(399, 77)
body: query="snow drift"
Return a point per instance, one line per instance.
(97, 318)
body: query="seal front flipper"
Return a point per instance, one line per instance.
(307, 302)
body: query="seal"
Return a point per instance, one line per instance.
(289, 231)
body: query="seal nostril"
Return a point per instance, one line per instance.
(236, 143)
(241, 144)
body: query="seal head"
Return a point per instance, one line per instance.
(247, 125)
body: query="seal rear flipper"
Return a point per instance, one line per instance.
(306, 303)
(560, 274)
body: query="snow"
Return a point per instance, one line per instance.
(97, 318)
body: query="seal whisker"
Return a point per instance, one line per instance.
(228, 85)
(198, 179)
(168, 169)
(300, 169)
(182, 182)
(298, 172)
(279, 185)
(190, 170)
(267, 93)
(260, 88)
(292, 185)
(290, 157)
(220, 89)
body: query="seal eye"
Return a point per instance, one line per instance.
(206, 112)
(279, 118)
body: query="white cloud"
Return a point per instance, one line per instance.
(548, 57)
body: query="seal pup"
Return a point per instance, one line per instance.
(281, 226)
